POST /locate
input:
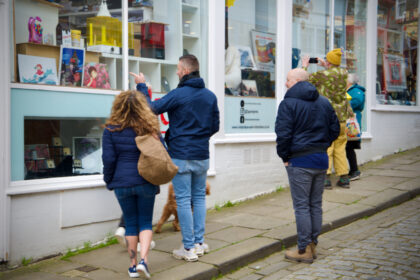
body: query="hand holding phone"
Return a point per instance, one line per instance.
(313, 60)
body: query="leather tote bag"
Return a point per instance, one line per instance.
(155, 165)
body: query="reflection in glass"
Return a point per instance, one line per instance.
(397, 52)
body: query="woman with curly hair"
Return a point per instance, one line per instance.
(131, 116)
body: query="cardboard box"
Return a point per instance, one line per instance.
(137, 47)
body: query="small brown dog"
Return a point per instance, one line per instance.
(170, 209)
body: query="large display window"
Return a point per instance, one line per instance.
(397, 59)
(77, 47)
(250, 66)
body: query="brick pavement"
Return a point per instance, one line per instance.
(384, 246)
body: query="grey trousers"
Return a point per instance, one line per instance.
(306, 187)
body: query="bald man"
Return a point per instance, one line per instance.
(306, 125)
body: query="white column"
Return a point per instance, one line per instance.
(371, 56)
(216, 67)
(124, 17)
(332, 14)
(283, 46)
(4, 128)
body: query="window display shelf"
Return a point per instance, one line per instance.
(191, 36)
(140, 59)
(93, 13)
(52, 4)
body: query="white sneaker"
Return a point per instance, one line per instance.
(188, 255)
(152, 245)
(202, 249)
(120, 235)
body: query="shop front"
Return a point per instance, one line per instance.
(67, 59)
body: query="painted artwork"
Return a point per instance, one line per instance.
(96, 76)
(264, 45)
(394, 69)
(247, 60)
(249, 88)
(36, 157)
(37, 70)
(72, 61)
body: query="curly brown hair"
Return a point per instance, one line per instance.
(130, 109)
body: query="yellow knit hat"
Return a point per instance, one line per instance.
(334, 57)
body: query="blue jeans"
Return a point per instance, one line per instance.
(306, 187)
(137, 206)
(190, 189)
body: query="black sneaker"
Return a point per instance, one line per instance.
(355, 175)
(344, 182)
(327, 183)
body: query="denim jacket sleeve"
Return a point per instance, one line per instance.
(109, 156)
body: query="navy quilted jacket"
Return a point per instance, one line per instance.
(120, 156)
(306, 122)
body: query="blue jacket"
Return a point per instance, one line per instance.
(306, 122)
(120, 156)
(193, 118)
(357, 101)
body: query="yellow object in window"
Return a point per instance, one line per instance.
(348, 96)
(229, 3)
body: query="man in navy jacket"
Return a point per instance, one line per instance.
(193, 119)
(306, 125)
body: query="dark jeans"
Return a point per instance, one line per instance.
(306, 187)
(137, 206)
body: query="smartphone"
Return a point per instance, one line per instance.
(313, 60)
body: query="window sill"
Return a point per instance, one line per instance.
(246, 138)
(55, 184)
(396, 108)
(63, 89)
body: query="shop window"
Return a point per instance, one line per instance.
(350, 35)
(78, 43)
(62, 147)
(311, 29)
(397, 52)
(250, 66)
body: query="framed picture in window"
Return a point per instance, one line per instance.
(72, 61)
(37, 70)
(247, 59)
(264, 45)
(394, 70)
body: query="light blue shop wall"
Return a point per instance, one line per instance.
(40, 103)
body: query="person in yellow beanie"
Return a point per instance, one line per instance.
(332, 83)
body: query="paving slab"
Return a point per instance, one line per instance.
(249, 220)
(58, 266)
(213, 226)
(102, 274)
(287, 234)
(377, 183)
(393, 173)
(234, 234)
(188, 271)
(239, 254)
(403, 160)
(386, 199)
(341, 196)
(113, 257)
(269, 210)
(169, 243)
(36, 276)
(413, 186)
(346, 214)
(216, 244)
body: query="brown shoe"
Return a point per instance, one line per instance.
(297, 256)
(313, 248)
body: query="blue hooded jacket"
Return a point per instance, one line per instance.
(306, 123)
(357, 101)
(120, 156)
(193, 118)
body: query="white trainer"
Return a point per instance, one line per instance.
(120, 235)
(182, 253)
(201, 249)
(152, 245)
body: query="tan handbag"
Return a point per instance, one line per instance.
(155, 165)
